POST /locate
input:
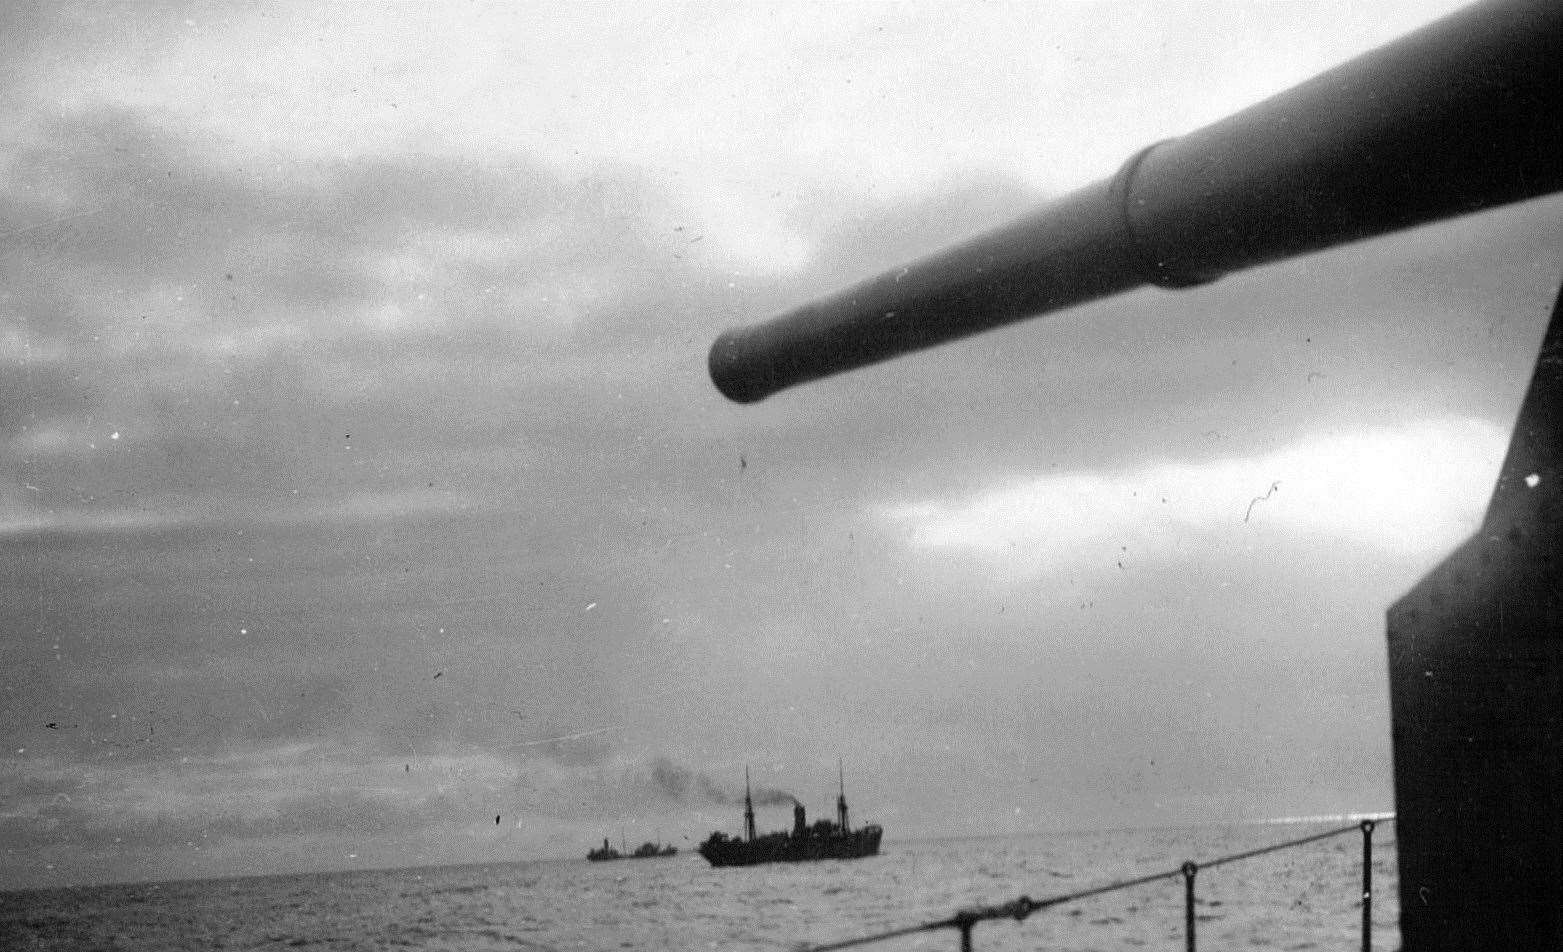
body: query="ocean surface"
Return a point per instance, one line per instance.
(1298, 899)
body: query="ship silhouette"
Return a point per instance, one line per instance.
(825, 839)
(646, 850)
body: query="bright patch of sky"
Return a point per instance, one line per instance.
(1415, 490)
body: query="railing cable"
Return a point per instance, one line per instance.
(1019, 909)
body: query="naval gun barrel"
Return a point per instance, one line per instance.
(1461, 115)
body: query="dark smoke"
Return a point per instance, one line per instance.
(677, 782)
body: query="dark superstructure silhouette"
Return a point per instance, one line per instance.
(825, 839)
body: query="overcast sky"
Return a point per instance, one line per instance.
(360, 481)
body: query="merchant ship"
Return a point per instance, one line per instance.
(646, 850)
(826, 839)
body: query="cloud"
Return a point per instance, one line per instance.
(1412, 490)
(443, 404)
(237, 329)
(355, 508)
(273, 808)
(882, 106)
(312, 800)
(292, 789)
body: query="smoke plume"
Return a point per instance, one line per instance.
(680, 783)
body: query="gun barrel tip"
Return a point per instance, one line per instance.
(732, 373)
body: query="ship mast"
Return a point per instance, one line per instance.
(748, 808)
(841, 797)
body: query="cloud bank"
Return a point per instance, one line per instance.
(360, 482)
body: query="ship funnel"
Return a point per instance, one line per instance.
(800, 821)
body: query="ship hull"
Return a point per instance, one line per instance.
(781, 848)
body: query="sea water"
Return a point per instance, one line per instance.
(1308, 897)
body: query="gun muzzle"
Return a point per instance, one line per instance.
(1459, 116)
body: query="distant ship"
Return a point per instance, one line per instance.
(824, 840)
(645, 850)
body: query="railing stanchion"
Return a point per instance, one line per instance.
(966, 928)
(1190, 870)
(1367, 886)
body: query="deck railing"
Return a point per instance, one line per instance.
(1019, 909)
